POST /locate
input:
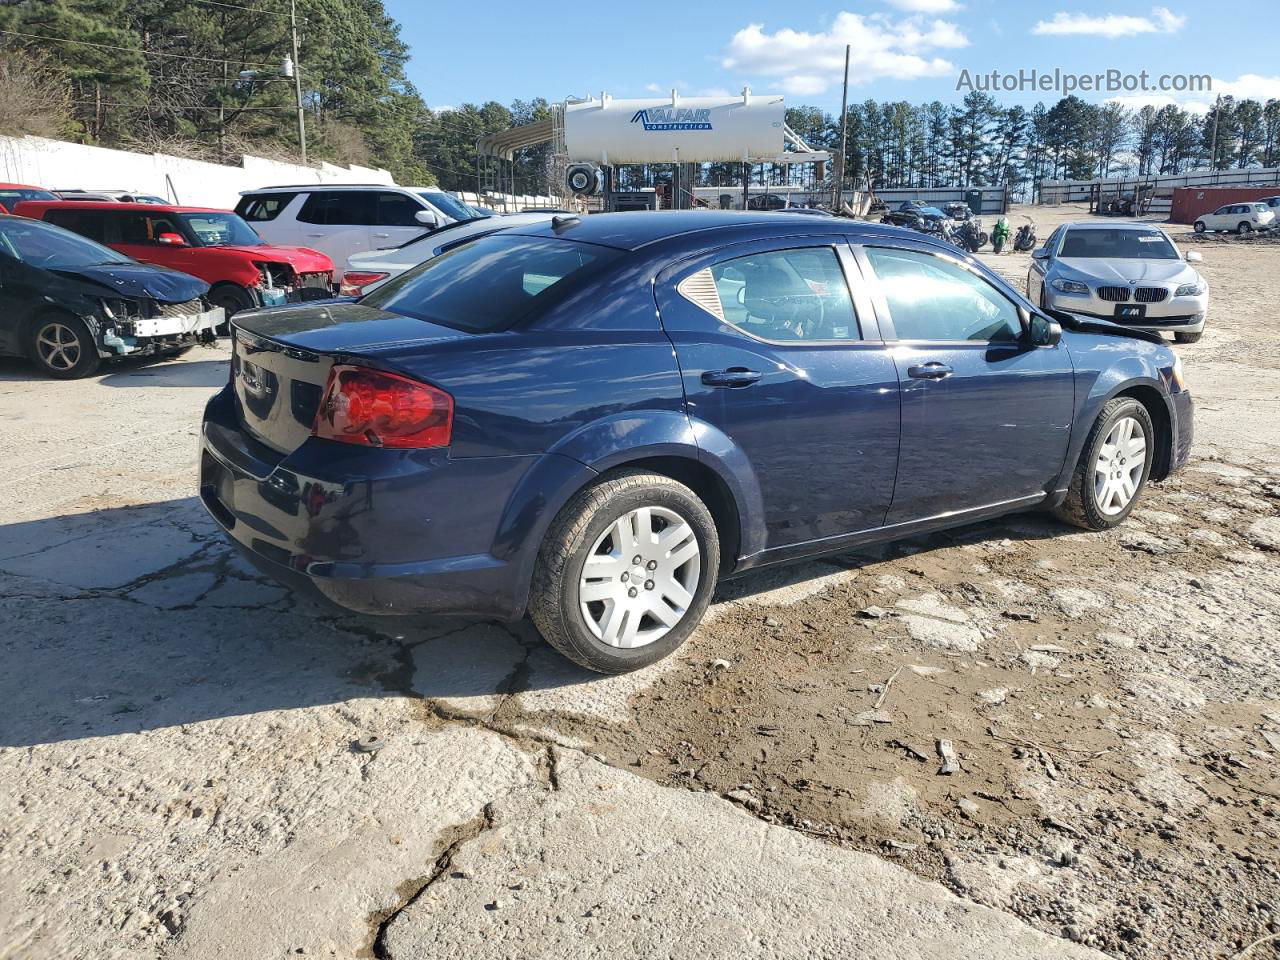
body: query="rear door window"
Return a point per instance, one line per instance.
(263, 207)
(339, 208)
(492, 283)
(87, 223)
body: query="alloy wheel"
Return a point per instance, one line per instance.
(58, 345)
(640, 577)
(1118, 469)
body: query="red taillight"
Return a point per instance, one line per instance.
(376, 409)
(354, 282)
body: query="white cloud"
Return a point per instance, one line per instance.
(1113, 25)
(1247, 86)
(805, 63)
(926, 6)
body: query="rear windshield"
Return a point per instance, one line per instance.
(492, 283)
(1118, 245)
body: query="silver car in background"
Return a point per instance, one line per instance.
(1127, 273)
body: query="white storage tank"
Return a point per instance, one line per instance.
(674, 129)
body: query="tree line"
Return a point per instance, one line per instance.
(979, 142)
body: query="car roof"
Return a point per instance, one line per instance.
(635, 229)
(114, 206)
(336, 186)
(22, 186)
(1112, 225)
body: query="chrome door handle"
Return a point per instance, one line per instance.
(382, 235)
(733, 377)
(929, 371)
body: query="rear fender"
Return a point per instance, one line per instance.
(615, 441)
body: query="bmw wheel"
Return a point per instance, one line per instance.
(1113, 467)
(62, 347)
(626, 572)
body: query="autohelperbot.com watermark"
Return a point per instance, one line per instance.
(1064, 82)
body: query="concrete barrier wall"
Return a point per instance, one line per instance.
(55, 165)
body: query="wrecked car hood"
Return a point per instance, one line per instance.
(138, 280)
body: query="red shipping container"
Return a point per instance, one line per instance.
(1191, 202)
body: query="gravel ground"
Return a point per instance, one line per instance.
(195, 763)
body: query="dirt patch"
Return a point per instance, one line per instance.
(1111, 701)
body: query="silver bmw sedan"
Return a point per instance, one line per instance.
(1128, 273)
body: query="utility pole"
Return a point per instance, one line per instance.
(1213, 150)
(844, 133)
(297, 80)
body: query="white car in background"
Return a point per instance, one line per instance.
(342, 219)
(1130, 274)
(368, 271)
(1237, 218)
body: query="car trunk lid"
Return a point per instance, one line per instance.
(281, 361)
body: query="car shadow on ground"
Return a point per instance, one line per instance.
(189, 370)
(132, 619)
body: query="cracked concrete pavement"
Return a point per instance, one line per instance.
(195, 763)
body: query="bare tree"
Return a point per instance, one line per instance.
(36, 99)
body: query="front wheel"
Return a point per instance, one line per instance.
(1113, 467)
(625, 572)
(1199, 226)
(62, 347)
(1187, 337)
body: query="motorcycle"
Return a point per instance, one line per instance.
(1000, 235)
(968, 235)
(1025, 238)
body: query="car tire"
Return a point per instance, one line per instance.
(1093, 509)
(62, 347)
(1199, 226)
(1187, 337)
(232, 299)
(592, 524)
(1243, 228)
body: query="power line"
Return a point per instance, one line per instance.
(239, 6)
(145, 53)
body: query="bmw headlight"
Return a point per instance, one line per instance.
(1069, 286)
(1190, 289)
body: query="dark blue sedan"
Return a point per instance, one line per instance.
(593, 420)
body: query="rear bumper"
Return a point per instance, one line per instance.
(379, 531)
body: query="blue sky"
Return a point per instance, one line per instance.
(902, 49)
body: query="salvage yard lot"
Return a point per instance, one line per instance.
(194, 763)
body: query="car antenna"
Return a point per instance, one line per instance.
(564, 220)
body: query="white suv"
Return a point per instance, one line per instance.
(1237, 218)
(342, 219)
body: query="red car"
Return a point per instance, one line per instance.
(217, 246)
(12, 194)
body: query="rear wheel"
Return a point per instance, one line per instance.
(62, 347)
(626, 572)
(1113, 467)
(1244, 228)
(1187, 337)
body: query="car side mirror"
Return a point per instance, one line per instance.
(171, 240)
(427, 218)
(1041, 254)
(1042, 331)
(1194, 256)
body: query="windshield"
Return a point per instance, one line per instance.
(490, 283)
(1118, 245)
(221, 230)
(11, 195)
(52, 248)
(932, 212)
(447, 205)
